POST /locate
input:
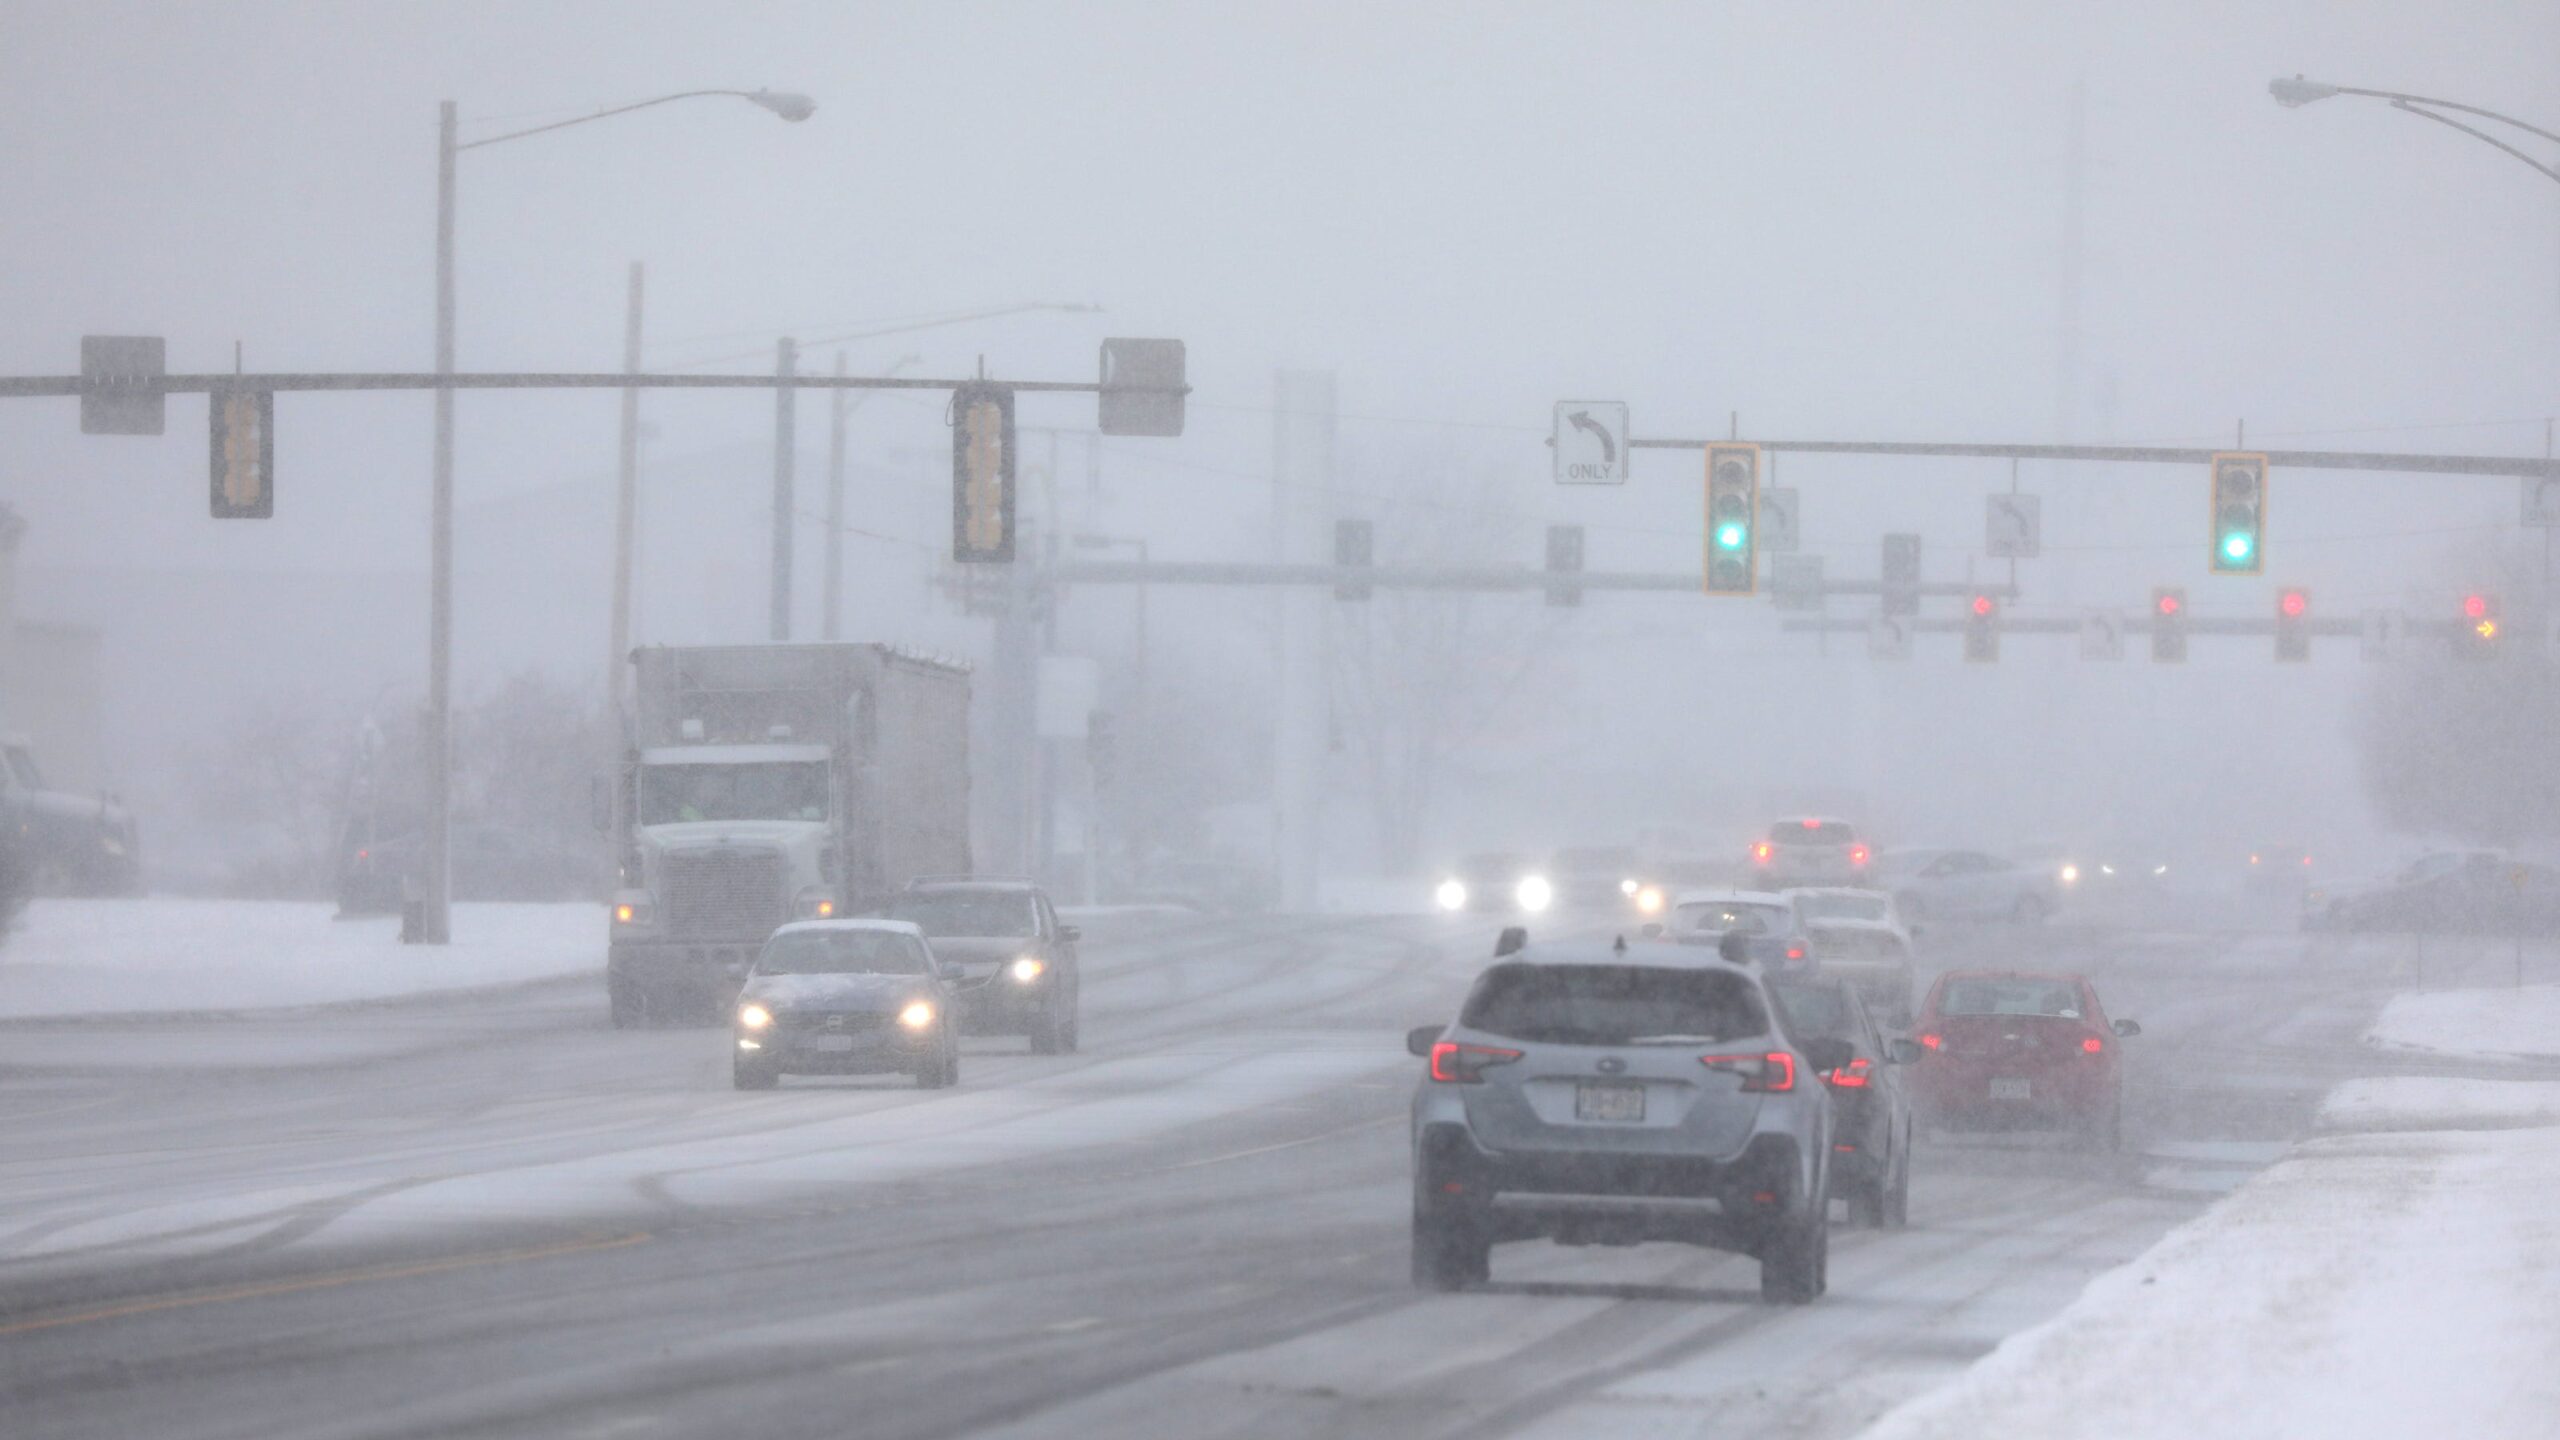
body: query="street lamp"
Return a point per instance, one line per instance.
(2297, 92)
(435, 924)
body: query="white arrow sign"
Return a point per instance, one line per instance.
(2016, 527)
(1590, 442)
(2102, 635)
(1778, 513)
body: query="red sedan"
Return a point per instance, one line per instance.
(2004, 1050)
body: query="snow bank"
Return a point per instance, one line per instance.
(2468, 1022)
(2390, 1277)
(113, 957)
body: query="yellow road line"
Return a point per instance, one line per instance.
(330, 1280)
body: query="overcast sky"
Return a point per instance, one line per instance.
(1839, 221)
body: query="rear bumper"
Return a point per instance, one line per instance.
(1961, 1094)
(1582, 1197)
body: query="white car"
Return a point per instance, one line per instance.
(1809, 850)
(1817, 903)
(1874, 956)
(1966, 885)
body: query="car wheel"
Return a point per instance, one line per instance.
(752, 1075)
(1450, 1252)
(1794, 1262)
(629, 1003)
(942, 1070)
(1867, 1203)
(1048, 1033)
(2028, 911)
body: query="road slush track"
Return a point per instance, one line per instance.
(510, 1220)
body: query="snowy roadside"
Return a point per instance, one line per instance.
(2391, 1273)
(124, 957)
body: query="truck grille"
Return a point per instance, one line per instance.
(724, 894)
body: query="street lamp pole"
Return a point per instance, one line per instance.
(434, 921)
(2298, 92)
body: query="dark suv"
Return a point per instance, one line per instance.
(1009, 963)
(1598, 1094)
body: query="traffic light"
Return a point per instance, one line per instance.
(982, 475)
(2293, 624)
(2478, 638)
(244, 454)
(2239, 513)
(1901, 575)
(1101, 748)
(1564, 564)
(1354, 549)
(1733, 515)
(2169, 623)
(1982, 629)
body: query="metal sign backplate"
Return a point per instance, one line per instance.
(1590, 442)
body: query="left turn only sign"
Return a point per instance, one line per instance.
(1590, 442)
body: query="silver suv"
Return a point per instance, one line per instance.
(1594, 1094)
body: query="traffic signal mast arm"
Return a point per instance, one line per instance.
(2532, 466)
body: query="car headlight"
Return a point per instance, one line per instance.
(1534, 893)
(1452, 895)
(631, 912)
(752, 1016)
(816, 904)
(918, 1014)
(1027, 969)
(1628, 888)
(2070, 874)
(1649, 900)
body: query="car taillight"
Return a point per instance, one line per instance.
(2092, 1044)
(1931, 1042)
(1795, 952)
(1761, 1074)
(1852, 1076)
(1456, 1064)
(1857, 854)
(1761, 852)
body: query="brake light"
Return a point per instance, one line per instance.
(1456, 1064)
(1930, 1042)
(1795, 952)
(1761, 1074)
(2092, 1044)
(1852, 1076)
(1810, 824)
(1760, 852)
(1857, 854)
(367, 855)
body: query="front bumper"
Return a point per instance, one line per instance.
(859, 1045)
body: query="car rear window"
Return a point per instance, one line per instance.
(1814, 1011)
(1614, 1005)
(1714, 917)
(1812, 832)
(2057, 998)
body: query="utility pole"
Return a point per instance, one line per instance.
(626, 519)
(435, 917)
(786, 362)
(1301, 502)
(828, 617)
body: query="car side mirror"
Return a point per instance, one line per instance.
(1419, 1040)
(2127, 1029)
(600, 802)
(1901, 1051)
(1828, 1053)
(1512, 940)
(1651, 930)
(1070, 933)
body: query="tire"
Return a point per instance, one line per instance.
(2030, 910)
(1897, 1197)
(1450, 1252)
(628, 1002)
(1867, 1205)
(943, 1071)
(1053, 1033)
(749, 1075)
(1795, 1265)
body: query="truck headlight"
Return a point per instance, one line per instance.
(1027, 969)
(918, 1015)
(816, 905)
(1452, 895)
(1534, 893)
(631, 912)
(752, 1016)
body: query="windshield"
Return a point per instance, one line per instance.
(1613, 1005)
(1843, 905)
(770, 790)
(842, 952)
(1813, 1011)
(1978, 996)
(1719, 916)
(980, 914)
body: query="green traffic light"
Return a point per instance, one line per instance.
(2236, 547)
(1731, 534)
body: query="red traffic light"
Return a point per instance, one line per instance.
(2293, 602)
(2170, 604)
(2475, 606)
(1982, 605)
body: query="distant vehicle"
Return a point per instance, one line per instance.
(1210, 886)
(1841, 902)
(1809, 850)
(1008, 963)
(2480, 891)
(1774, 934)
(1967, 885)
(486, 862)
(1602, 1095)
(1613, 879)
(1874, 958)
(1496, 882)
(2277, 870)
(66, 844)
(1870, 1096)
(2009, 1050)
(772, 783)
(845, 997)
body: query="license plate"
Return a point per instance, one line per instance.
(2008, 1089)
(1609, 1104)
(836, 1043)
